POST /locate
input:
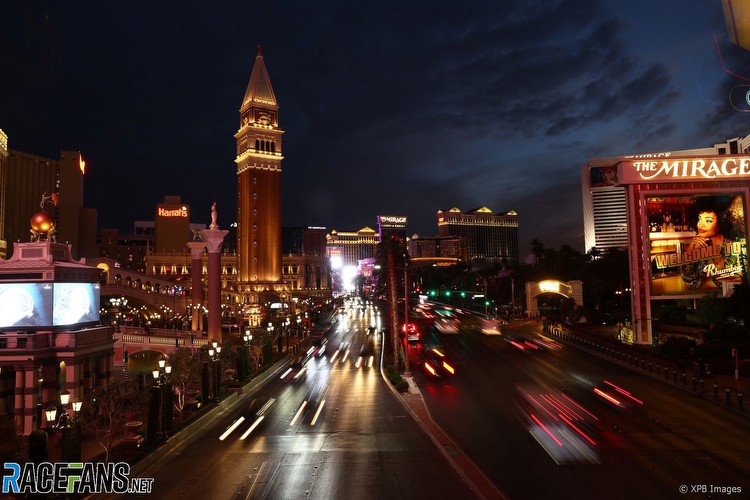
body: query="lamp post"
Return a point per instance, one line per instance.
(246, 340)
(213, 353)
(70, 444)
(270, 334)
(160, 382)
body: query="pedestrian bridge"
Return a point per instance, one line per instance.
(161, 340)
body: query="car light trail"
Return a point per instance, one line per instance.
(303, 370)
(544, 428)
(333, 358)
(310, 350)
(298, 413)
(438, 352)
(346, 355)
(315, 418)
(359, 362)
(623, 392)
(449, 368)
(265, 407)
(369, 363)
(430, 368)
(255, 424)
(231, 428)
(579, 431)
(606, 396)
(285, 373)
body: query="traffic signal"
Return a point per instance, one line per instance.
(447, 293)
(463, 294)
(432, 293)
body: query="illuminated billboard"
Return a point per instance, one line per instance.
(696, 242)
(25, 304)
(38, 305)
(75, 303)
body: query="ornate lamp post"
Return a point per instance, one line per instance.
(71, 441)
(213, 353)
(246, 339)
(160, 382)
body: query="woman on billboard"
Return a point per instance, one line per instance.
(713, 249)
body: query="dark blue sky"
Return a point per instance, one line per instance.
(388, 107)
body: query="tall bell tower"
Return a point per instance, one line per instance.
(259, 155)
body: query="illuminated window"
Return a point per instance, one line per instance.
(255, 227)
(255, 244)
(255, 196)
(255, 211)
(255, 180)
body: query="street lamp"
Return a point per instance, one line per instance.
(213, 353)
(246, 339)
(70, 445)
(160, 382)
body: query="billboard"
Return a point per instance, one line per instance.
(75, 303)
(696, 242)
(38, 305)
(25, 305)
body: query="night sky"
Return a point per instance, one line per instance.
(388, 107)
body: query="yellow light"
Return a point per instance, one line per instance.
(448, 367)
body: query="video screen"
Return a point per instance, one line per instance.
(25, 304)
(696, 242)
(75, 303)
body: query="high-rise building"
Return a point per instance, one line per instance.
(490, 238)
(30, 184)
(346, 248)
(604, 207)
(172, 219)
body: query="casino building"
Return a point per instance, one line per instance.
(604, 210)
(24, 179)
(685, 224)
(491, 238)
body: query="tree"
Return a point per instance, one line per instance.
(107, 408)
(186, 372)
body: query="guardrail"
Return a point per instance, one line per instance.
(658, 369)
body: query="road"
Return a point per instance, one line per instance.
(646, 451)
(331, 430)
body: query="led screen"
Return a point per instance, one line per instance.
(696, 242)
(25, 304)
(75, 303)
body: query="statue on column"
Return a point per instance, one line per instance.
(214, 215)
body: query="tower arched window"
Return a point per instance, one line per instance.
(273, 147)
(257, 144)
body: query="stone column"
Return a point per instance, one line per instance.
(214, 239)
(196, 276)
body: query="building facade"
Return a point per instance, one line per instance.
(604, 204)
(490, 238)
(259, 156)
(347, 248)
(26, 180)
(51, 340)
(172, 221)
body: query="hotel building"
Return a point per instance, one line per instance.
(490, 238)
(604, 214)
(24, 179)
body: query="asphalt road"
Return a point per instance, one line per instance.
(672, 442)
(331, 431)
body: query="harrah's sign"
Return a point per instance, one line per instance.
(172, 212)
(684, 169)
